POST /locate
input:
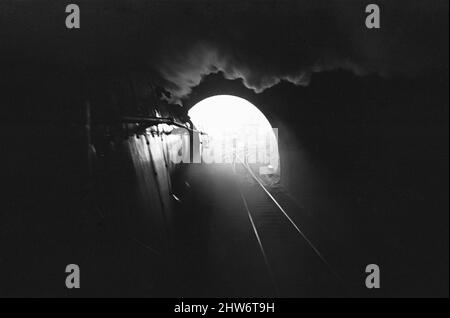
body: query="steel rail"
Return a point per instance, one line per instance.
(308, 241)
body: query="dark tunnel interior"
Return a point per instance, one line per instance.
(87, 179)
(373, 180)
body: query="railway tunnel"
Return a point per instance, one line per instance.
(102, 167)
(111, 177)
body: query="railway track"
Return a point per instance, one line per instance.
(295, 266)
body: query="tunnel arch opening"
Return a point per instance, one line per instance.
(235, 131)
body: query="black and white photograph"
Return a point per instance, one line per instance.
(224, 155)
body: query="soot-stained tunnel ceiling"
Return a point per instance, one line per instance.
(177, 43)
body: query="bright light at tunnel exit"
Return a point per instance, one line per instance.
(234, 121)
